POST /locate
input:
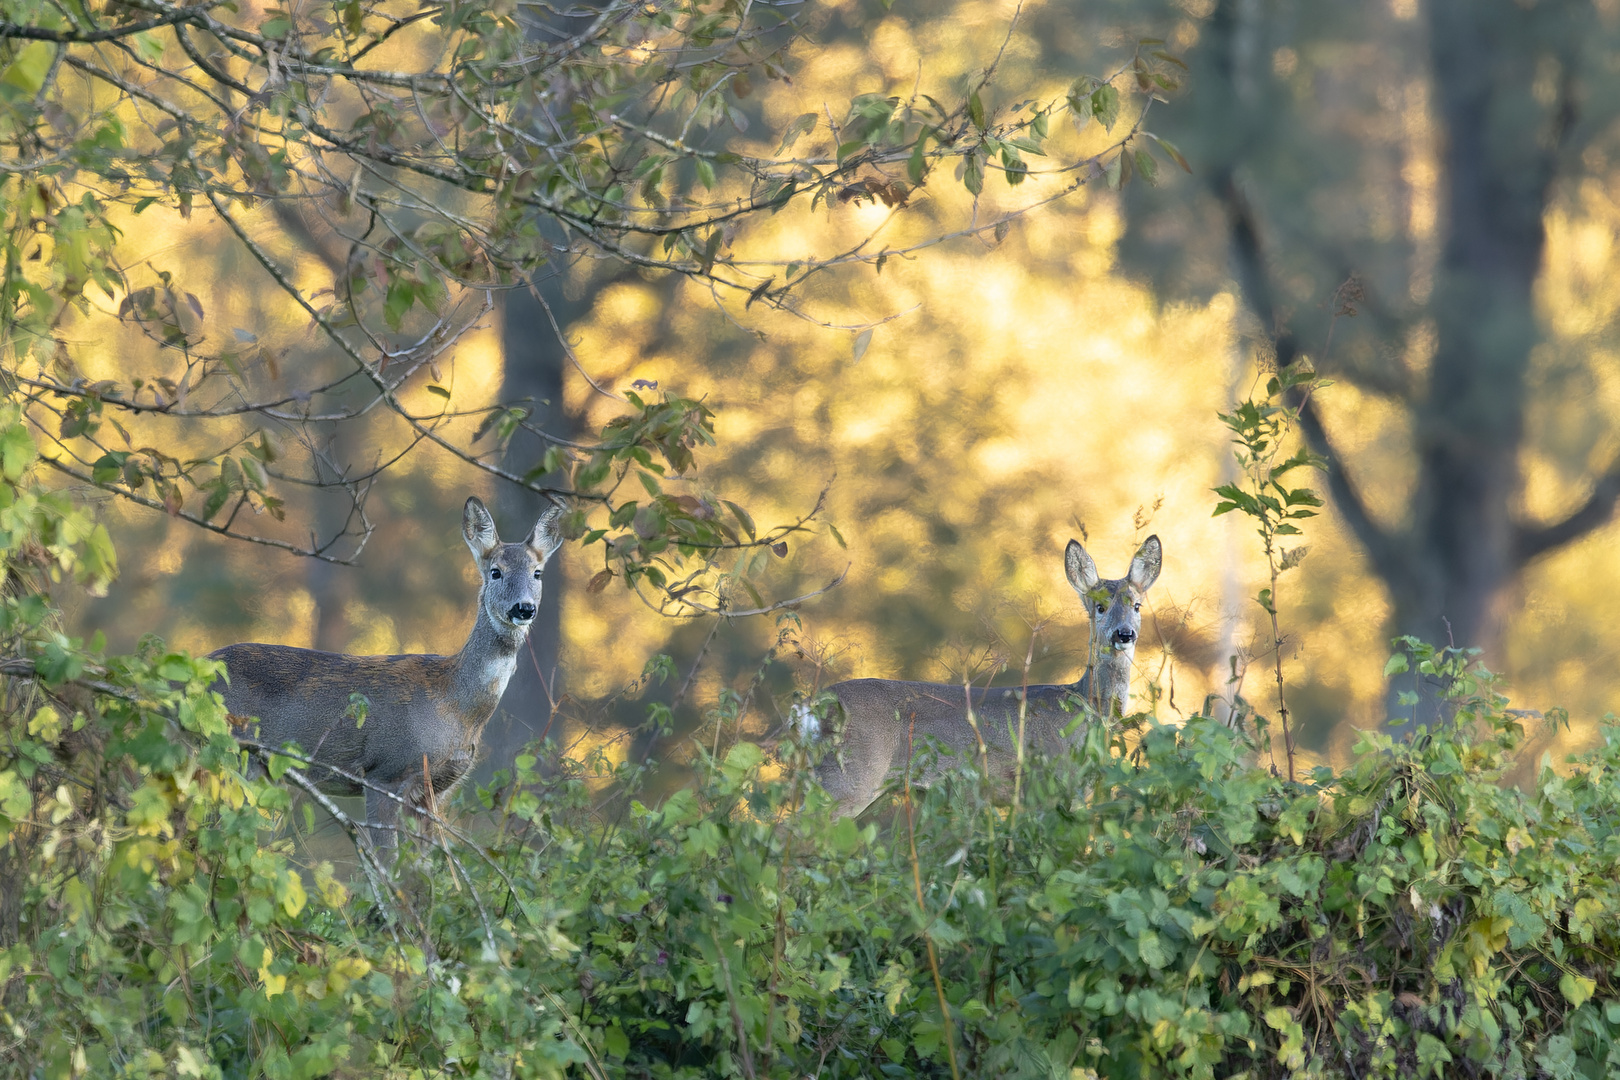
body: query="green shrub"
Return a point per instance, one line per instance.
(1157, 905)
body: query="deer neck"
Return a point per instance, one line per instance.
(483, 666)
(1108, 679)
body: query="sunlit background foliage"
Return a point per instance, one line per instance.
(1058, 381)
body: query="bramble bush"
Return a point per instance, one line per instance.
(1157, 904)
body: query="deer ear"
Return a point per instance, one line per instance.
(1145, 566)
(546, 536)
(478, 529)
(1082, 571)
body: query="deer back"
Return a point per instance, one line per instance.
(885, 722)
(281, 694)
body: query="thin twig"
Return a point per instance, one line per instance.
(922, 910)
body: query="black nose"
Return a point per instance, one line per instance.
(1124, 635)
(521, 613)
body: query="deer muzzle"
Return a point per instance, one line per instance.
(521, 613)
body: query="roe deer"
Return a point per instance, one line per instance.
(886, 721)
(418, 707)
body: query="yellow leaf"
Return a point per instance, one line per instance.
(293, 896)
(273, 984)
(1577, 989)
(345, 971)
(334, 894)
(1255, 978)
(46, 724)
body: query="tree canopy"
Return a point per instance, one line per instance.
(384, 172)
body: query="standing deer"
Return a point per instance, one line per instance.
(886, 721)
(423, 714)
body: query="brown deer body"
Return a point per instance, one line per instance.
(886, 722)
(423, 715)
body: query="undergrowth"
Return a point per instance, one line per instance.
(1162, 906)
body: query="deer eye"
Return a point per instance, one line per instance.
(537, 575)
(1136, 607)
(1102, 609)
(494, 573)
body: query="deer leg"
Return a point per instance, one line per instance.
(383, 812)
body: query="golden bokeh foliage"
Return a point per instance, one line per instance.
(1027, 388)
(1014, 391)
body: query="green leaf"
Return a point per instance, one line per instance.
(1152, 950)
(1105, 106)
(803, 124)
(742, 517)
(917, 163)
(1146, 166)
(16, 800)
(216, 499)
(1170, 150)
(28, 71)
(1396, 665)
(1114, 173)
(705, 172)
(741, 758)
(1432, 1056)
(976, 110)
(149, 46)
(17, 452)
(401, 295)
(973, 173)
(439, 390)
(1080, 92)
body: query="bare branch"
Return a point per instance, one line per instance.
(1531, 541)
(314, 551)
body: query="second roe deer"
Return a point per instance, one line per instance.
(417, 706)
(885, 722)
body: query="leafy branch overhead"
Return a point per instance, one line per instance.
(387, 169)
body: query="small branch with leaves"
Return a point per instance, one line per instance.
(1262, 430)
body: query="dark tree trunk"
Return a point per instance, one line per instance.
(534, 377)
(1460, 547)
(1498, 162)
(330, 584)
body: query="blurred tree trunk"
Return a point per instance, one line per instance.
(331, 585)
(1502, 84)
(533, 377)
